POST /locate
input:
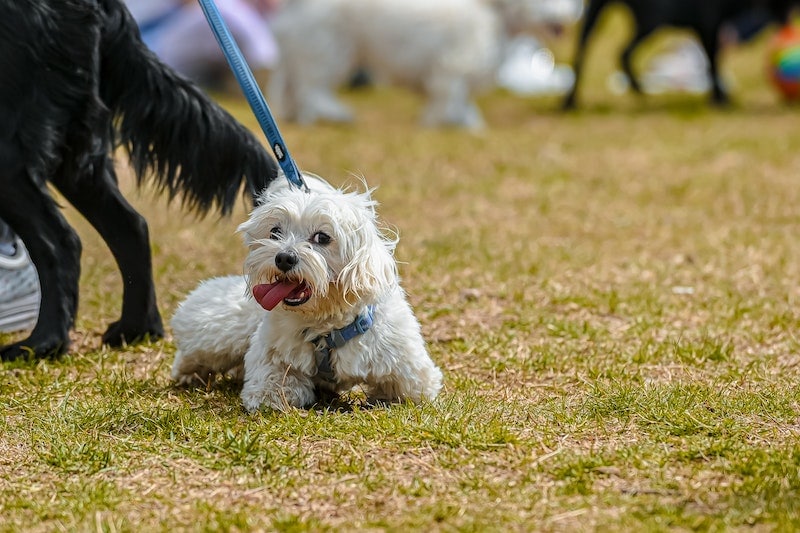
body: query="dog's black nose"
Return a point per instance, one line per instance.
(285, 261)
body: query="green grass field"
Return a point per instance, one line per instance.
(613, 296)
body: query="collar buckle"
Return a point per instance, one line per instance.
(325, 344)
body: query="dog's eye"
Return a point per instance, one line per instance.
(275, 233)
(321, 238)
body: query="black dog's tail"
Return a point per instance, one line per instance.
(170, 128)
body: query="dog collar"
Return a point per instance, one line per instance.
(325, 344)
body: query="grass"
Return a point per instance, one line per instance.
(612, 294)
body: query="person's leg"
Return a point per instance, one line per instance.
(19, 284)
(187, 44)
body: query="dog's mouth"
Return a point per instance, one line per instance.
(292, 293)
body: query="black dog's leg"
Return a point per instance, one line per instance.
(625, 59)
(54, 248)
(98, 198)
(589, 22)
(710, 42)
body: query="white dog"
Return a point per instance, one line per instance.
(446, 49)
(320, 306)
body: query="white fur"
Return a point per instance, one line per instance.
(220, 326)
(446, 49)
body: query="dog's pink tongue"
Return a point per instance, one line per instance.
(269, 295)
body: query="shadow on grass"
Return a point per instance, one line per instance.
(327, 400)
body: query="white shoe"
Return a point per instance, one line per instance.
(19, 291)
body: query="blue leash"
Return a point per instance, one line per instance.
(253, 94)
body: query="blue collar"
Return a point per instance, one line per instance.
(336, 339)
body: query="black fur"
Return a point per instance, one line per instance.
(76, 83)
(705, 17)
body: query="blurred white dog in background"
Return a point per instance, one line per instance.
(446, 49)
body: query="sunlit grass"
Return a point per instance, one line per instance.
(612, 295)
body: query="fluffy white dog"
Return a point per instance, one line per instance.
(447, 49)
(320, 306)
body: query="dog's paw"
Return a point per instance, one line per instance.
(120, 333)
(569, 103)
(31, 348)
(254, 401)
(251, 401)
(186, 374)
(189, 380)
(281, 399)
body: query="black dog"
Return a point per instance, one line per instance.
(77, 82)
(705, 17)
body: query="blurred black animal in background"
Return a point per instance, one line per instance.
(704, 17)
(76, 83)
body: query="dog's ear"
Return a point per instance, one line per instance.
(245, 229)
(250, 230)
(371, 269)
(256, 226)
